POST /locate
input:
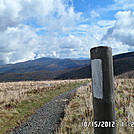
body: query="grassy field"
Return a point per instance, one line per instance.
(18, 100)
(80, 109)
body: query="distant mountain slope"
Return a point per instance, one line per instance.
(37, 75)
(123, 55)
(123, 64)
(32, 76)
(42, 64)
(77, 73)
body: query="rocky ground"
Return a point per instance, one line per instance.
(47, 119)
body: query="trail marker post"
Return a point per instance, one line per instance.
(103, 90)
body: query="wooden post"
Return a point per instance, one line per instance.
(103, 90)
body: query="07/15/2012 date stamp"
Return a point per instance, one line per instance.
(107, 124)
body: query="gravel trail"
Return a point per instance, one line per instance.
(46, 119)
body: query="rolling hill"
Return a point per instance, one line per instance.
(123, 63)
(48, 69)
(42, 64)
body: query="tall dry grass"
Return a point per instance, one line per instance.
(17, 91)
(124, 100)
(80, 109)
(19, 100)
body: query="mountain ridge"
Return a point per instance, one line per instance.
(42, 64)
(123, 63)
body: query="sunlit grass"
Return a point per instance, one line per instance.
(80, 109)
(25, 97)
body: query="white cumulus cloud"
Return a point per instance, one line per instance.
(17, 44)
(121, 35)
(32, 29)
(19, 20)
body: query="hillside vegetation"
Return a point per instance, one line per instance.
(42, 64)
(51, 69)
(123, 63)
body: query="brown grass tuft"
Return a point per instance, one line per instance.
(80, 109)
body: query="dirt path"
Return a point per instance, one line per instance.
(47, 119)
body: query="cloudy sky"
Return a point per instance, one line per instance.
(31, 29)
